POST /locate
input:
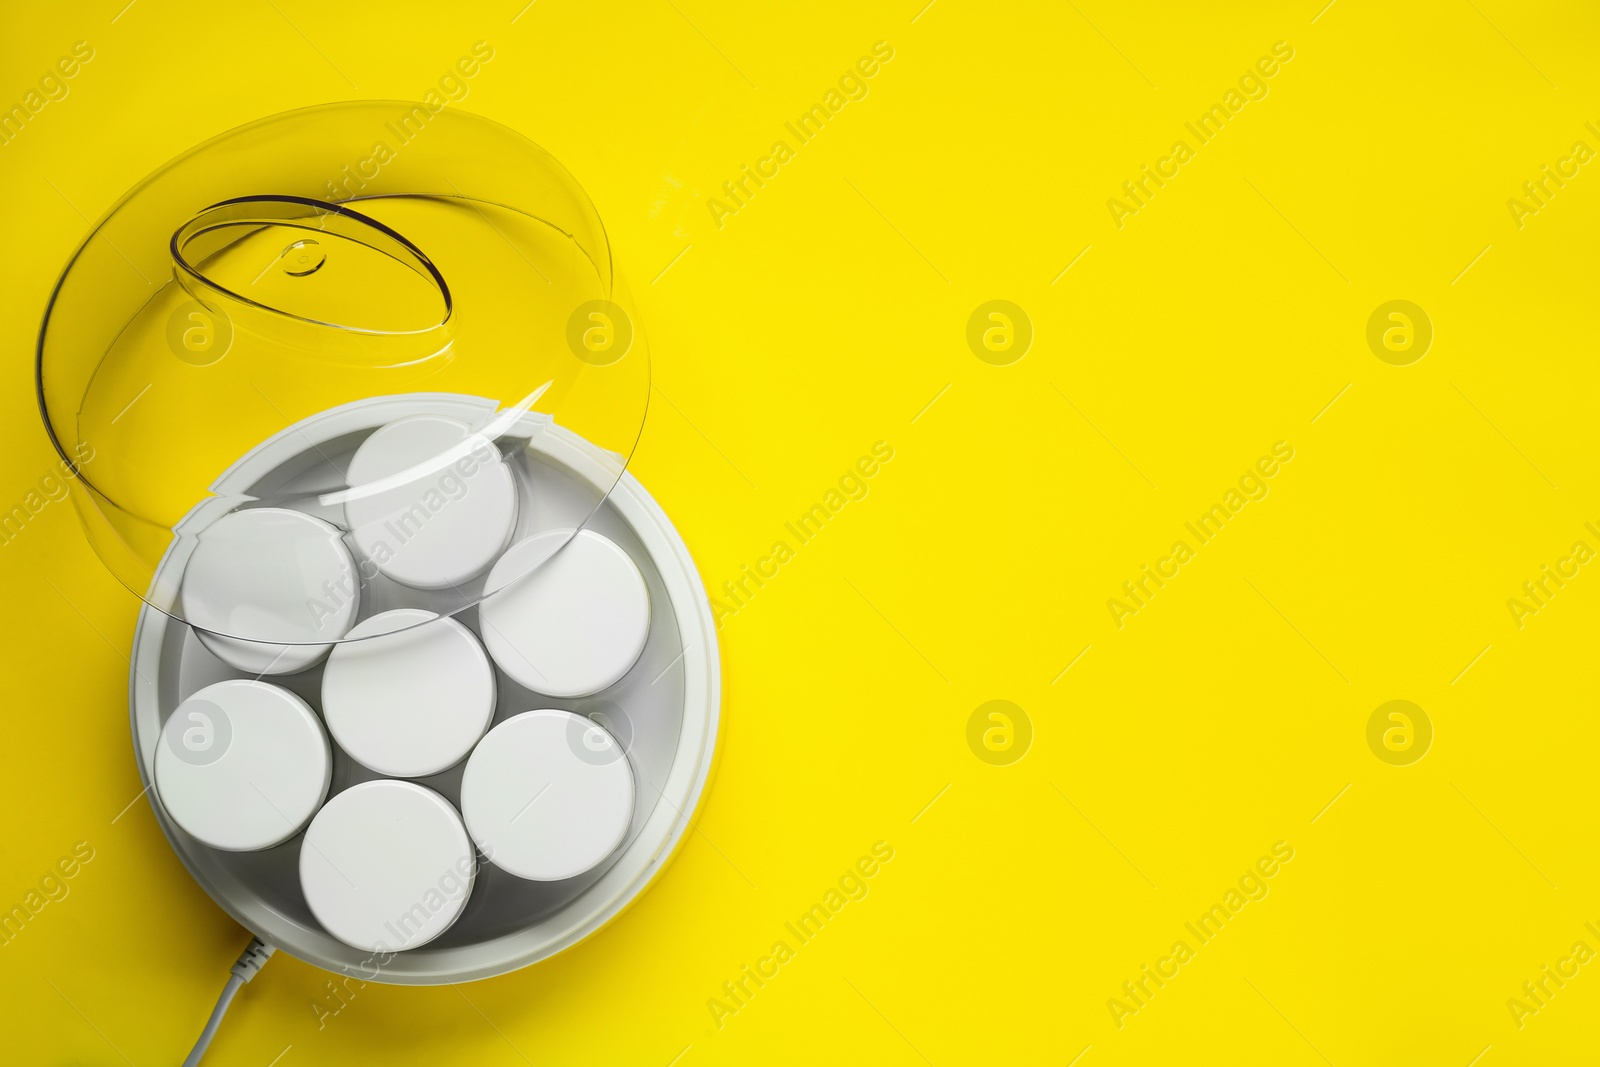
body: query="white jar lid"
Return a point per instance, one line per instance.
(412, 701)
(270, 574)
(242, 765)
(431, 503)
(387, 866)
(547, 795)
(568, 624)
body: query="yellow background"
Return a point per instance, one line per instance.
(823, 317)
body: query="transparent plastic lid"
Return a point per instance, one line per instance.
(298, 371)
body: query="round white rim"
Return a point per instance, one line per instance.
(656, 841)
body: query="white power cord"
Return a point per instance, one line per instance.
(250, 961)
